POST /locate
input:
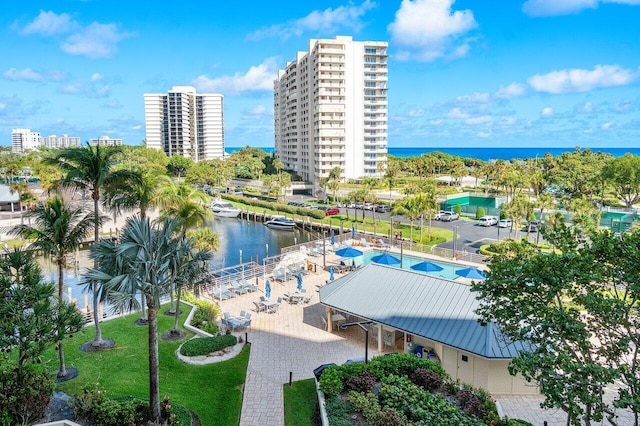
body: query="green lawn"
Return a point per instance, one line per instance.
(300, 403)
(213, 391)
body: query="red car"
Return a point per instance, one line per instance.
(329, 211)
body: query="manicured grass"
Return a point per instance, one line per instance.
(213, 391)
(300, 402)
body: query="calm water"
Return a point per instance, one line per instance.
(488, 153)
(253, 238)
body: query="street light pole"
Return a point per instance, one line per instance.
(361, 324)
(324, 249)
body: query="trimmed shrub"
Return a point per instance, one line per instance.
(428, 379)
(480, 212)
(205, 315)
(458, 209)
(206, 345)
(364, 382)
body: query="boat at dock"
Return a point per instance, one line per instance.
(224, 209)
(280, 222)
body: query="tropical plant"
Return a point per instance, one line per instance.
(89, 168)
(58, 230)
(141, 262)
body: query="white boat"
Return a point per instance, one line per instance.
(280, 222)
(223, 209)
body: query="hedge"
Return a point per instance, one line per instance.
(206, 345)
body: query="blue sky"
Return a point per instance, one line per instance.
(461, 73)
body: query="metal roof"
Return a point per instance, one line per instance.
(437, 309)
(7, 197)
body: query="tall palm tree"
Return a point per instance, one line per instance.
(89, 168)
(141, 262)
(58, 230)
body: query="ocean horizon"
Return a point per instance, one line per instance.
(486, 153)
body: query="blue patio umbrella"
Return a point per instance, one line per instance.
(333, 237)
(472, 273)
(267, 289)
(331, 270)
(353, 232)
(385, 259)
(348, 252)
(426, 267)
(299, 280)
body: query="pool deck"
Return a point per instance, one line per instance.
(294, 341)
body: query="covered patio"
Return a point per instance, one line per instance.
(429, 316)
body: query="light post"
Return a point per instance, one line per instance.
(455, 238)
(324, 249)
(361, 324)
(266, 246)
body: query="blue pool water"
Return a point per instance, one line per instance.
(448, 271)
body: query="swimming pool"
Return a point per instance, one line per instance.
(448, 269)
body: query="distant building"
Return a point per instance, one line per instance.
(330, 109)
(23, 140)
(185, 123)
(105, 141)
(63, 141)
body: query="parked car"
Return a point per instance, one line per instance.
(368, 206)
(329, 211)
(534, 226)
(488, 221)
(449, 216)
(383, 208)
(505, 223)
(356, 206)
(438, 216)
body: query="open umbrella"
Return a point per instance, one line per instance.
(471, 273)
(385, 259)
(426, 267)
(331, 270)
(299, 280)
(349, 252)
(333, 238)
(267, 289)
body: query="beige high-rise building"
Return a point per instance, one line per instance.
(183, 122)
(330, 109)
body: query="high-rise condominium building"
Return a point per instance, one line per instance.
(330, 109)
(185, 123)
(63, 141)
(105, 141)
(24, 140)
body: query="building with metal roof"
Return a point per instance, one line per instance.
(435, 317)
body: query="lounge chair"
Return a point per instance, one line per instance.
(280, 275)
(381, 244)
(222, 293)
(235, 287)
(364, 242)
(249, 287)
(313, 252)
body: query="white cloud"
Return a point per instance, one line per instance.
(258, 78)
(50, 23)
(546, 112)
(426, 30)
(539, 8)
(23, 74)
(483, 134)
(623, 106)
(96, 76)
(608, 125)
(325, 21)
(582, 80)
(511, 91)
(457, 113)
(414, 113)
(586, 108)
(95, 41)
(71, 88)
(258, 110)
(484, 119)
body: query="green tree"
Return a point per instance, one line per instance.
(141, 262)
(179, 165)
(90, 168)
(623, 173)
(58, 229)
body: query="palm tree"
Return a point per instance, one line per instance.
(89, 168)
(141, 262)
(58, 230)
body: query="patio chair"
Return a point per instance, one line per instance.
(307, 298)
(225, 318)
(259, 307)
(223, 293)
(325, 325)
(247, 321)
(235, 287)
(364, 242)
(243, 314)
(249, 287)
(279, 275)
(381, 244)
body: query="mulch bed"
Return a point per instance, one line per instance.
(90, 347)
(173, 336)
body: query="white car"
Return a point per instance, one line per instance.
(505, 223)
(449, 216)
(488, 221)
(438, 216)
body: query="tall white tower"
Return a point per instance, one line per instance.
(330, 109)
(185, 123)
(23, 140)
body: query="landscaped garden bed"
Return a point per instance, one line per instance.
(402, 390)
